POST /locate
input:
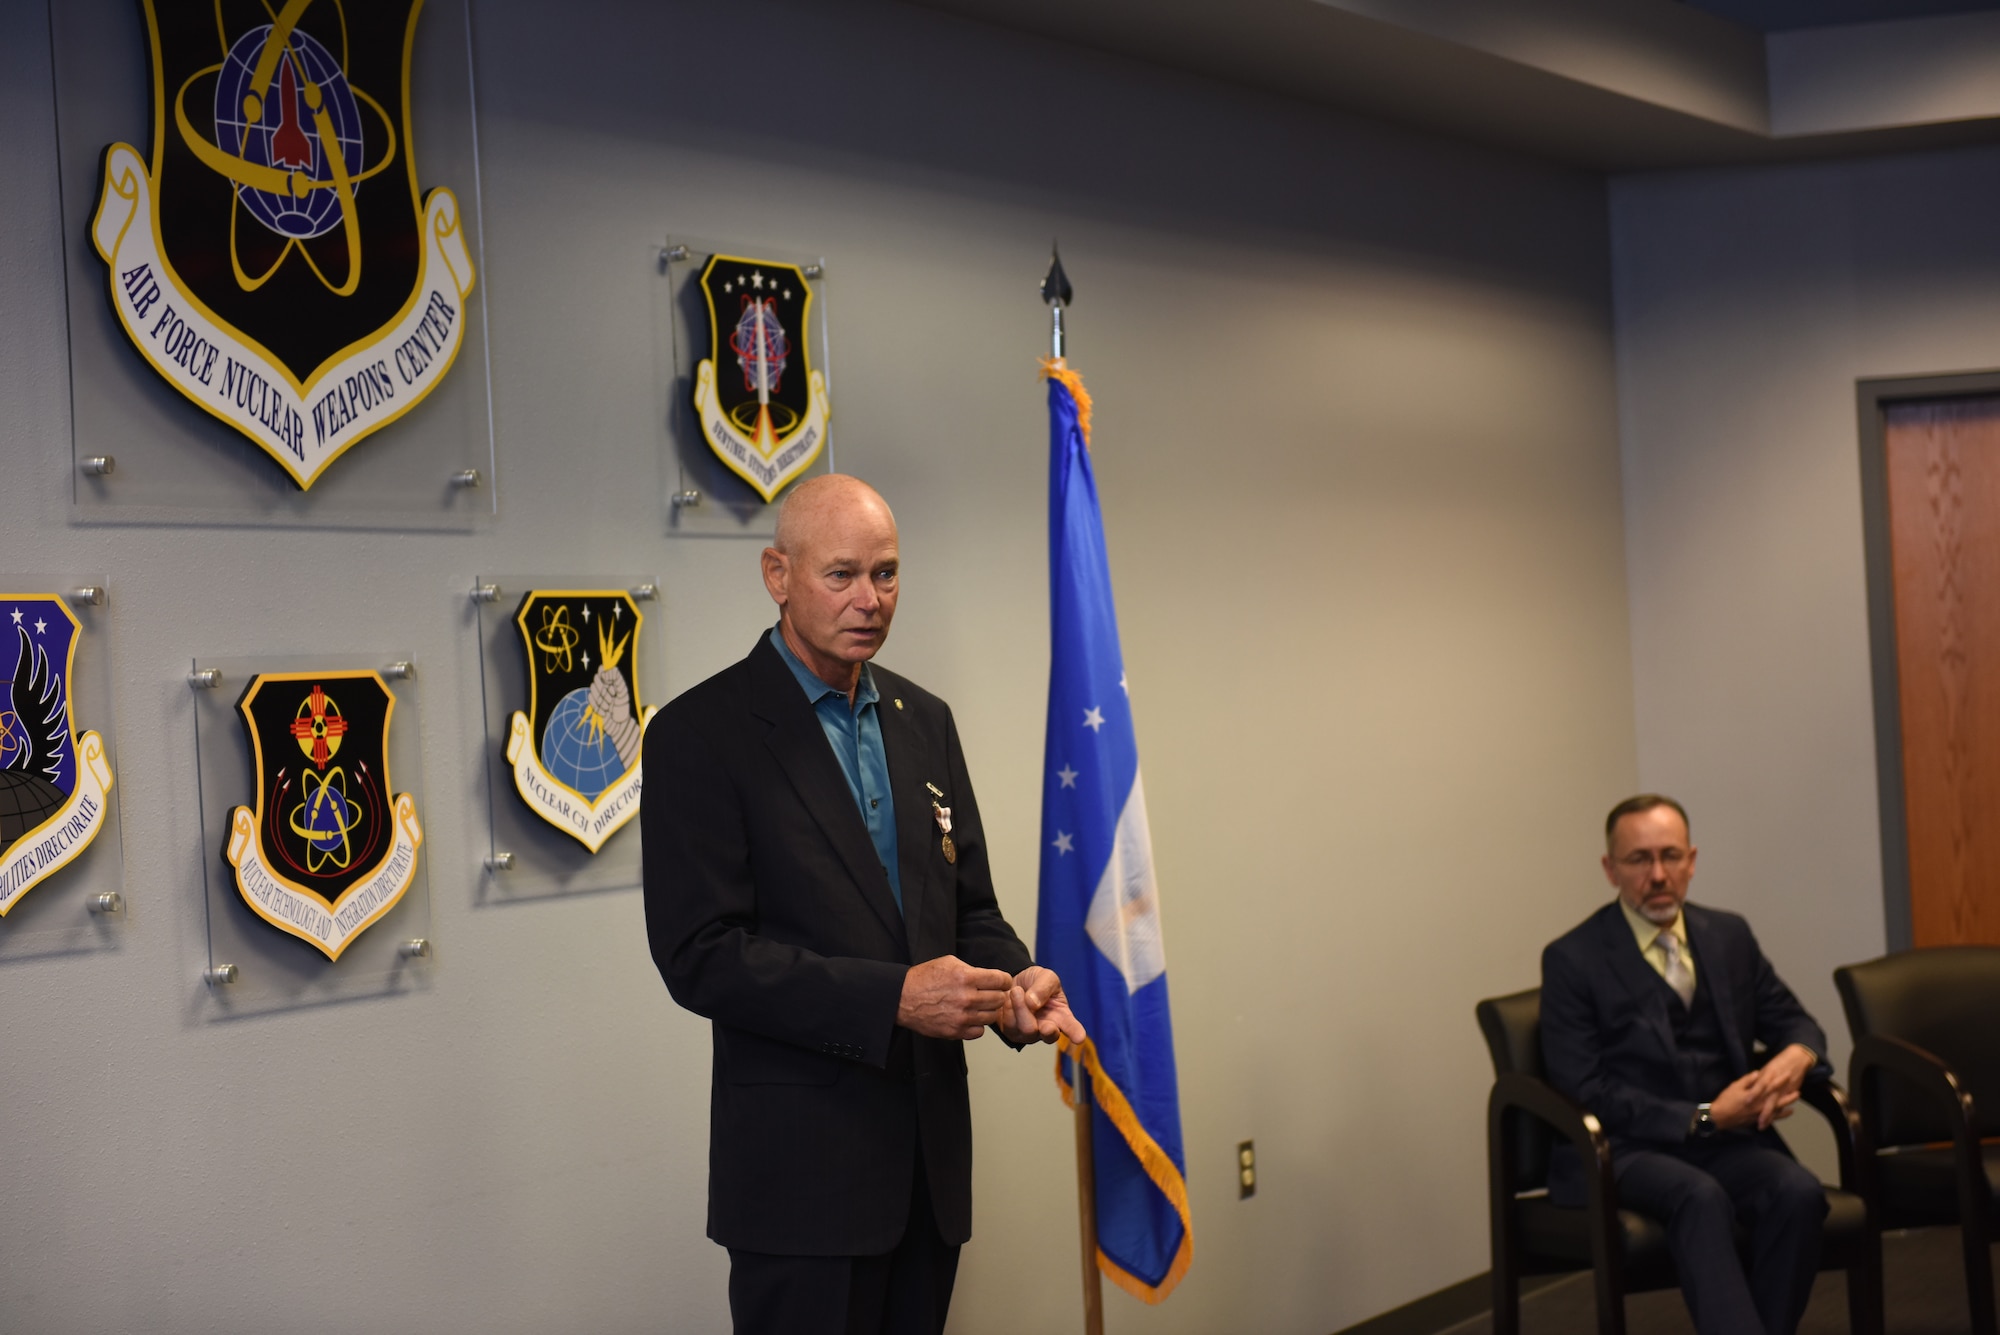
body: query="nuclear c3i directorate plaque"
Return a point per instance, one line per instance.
(575, 751)
(275, 259)
(329, 847)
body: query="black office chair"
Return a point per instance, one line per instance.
(1627, 1251)
(1926, 1078)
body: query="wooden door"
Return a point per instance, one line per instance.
(1944, 528)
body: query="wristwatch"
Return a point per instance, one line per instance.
(1703, 1125)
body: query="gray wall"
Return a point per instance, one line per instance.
(1749, 302)
(1357, 443)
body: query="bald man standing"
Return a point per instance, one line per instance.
(817, 886)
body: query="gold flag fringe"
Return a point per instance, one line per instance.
(1151, 1157)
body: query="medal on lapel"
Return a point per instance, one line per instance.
(942, 814)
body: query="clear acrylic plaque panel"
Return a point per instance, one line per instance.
(547, 862)
(727, 505)
(55, 917)
(276, 970)
(173, 463)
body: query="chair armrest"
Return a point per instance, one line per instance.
(1875, 1054)
(1849, 1140)
(1514, 1093)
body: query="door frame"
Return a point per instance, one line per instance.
(1872, 399)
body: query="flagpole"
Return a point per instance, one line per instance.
(1056, 292)
(1086, 1199)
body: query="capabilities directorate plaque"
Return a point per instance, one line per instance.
(761, 405)
(53, 782)
(275, 260)
(575, 751)
(328, 848)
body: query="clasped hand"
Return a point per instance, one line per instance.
(948, 998)
(1766, 1094)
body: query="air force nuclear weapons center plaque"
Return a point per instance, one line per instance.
(274, 260)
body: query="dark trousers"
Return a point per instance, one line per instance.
(903, 1292)
(1699, 1191)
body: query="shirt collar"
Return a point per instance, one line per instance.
(817, 690)
(1647, 932)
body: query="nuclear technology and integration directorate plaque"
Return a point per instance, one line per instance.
(329, 846)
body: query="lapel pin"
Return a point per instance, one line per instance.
(899, 702)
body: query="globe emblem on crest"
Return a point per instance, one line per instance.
(578, 750)
(282, 131)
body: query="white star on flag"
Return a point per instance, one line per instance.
(756, 279)
(40, 625)
(1064, 842)
(586, 619)
(1093, 718)
(17, 616)
(586, 660)
(1067, 775)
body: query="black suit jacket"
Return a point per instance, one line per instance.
(769, 913)
(1607, 1037)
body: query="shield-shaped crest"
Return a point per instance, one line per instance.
(761, 405)
(575, 751)
(53, 781)
(274, 260)
(328, 848)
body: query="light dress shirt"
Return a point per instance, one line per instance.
(1648, 935)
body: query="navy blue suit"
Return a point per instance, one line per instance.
(1618, 1040)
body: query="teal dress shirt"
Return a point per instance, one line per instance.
(856, 737)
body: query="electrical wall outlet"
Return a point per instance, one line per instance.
(1246, 1170)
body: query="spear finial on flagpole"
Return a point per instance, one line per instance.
(1056, 292)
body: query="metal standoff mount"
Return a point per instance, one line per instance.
(90, 595)
(205, 679)
(815, 270)
(684, 499)
(219, 976)
(417, 948)
(645, 593)
(465, 477)
(401, 670)
(108, 902)
(500, 862)
(99, 465)
(486, 593)
(674, 254)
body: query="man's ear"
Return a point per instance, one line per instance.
(1605, 862)
(777, 574)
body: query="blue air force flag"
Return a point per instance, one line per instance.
(1099, 926)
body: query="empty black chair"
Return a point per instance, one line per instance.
(1926, 1079)
(1627, 1251)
